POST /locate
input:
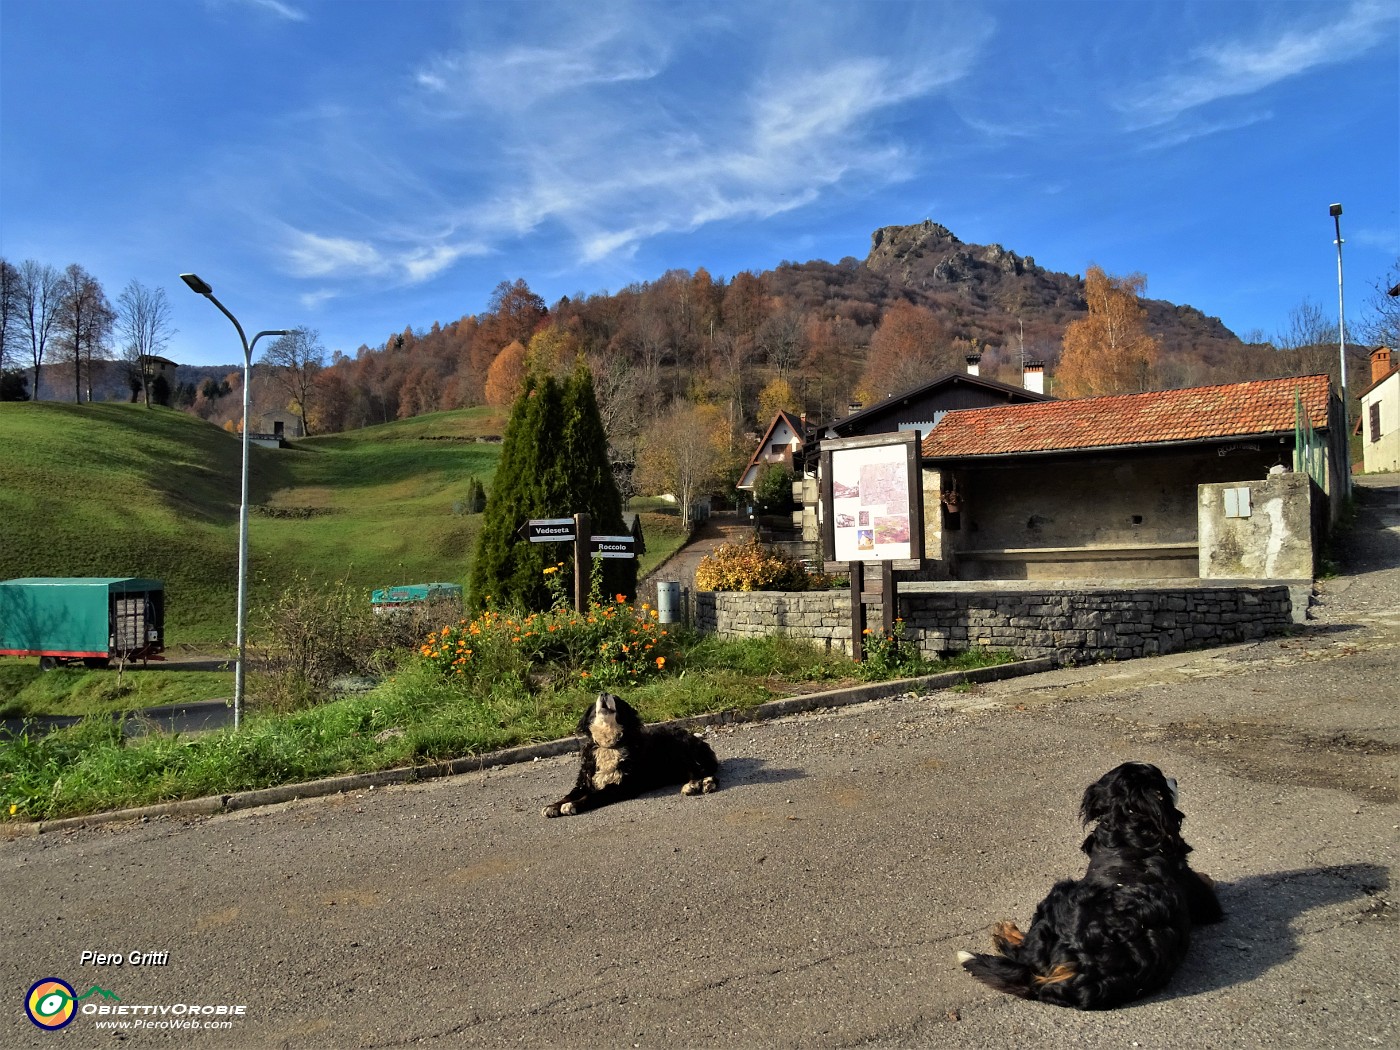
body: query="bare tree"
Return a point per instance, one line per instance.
(143, 325)
(39, 299)
(1382, 328)
(683, 452)
(12, 380)
(9, 312)
(1310, 342)
(295, 360)
(83, 325)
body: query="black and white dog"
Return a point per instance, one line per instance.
(1121, 931)
(622, 758)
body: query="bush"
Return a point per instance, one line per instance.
(773, 489)
(313, 634)
(753, 566)
(611, 644)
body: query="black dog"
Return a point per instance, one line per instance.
(1120, 931)
(622, 758)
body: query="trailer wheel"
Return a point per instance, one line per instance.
(47, 663)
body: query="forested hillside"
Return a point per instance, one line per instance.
(817, 335)
(807, 337)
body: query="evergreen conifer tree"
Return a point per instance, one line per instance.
(554, 464)
(584, 453)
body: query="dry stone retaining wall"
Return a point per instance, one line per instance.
(1079, 625)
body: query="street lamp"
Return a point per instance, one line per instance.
(1336, 212)
(199, 287)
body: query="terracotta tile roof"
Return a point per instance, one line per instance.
(1164, 416)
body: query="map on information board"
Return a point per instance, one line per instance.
(870, 511)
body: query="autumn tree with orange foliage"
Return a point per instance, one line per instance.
(1108, 352)
(911, 346)
(504, 376)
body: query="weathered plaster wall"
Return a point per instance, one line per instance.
(1275, 540)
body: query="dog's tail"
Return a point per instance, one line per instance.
(1016, 978)
(1003, 974)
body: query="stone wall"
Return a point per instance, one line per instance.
(1079, 625)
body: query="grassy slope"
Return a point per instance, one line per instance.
(119, 490)
(122, 490)
(384, 503)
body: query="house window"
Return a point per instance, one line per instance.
(1375, 421)
(777, 449)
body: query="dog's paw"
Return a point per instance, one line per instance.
(551, 811)
(568, 809)
(1006, 934)
(700, 787)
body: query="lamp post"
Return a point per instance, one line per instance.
(198, 286)
(1336, 212)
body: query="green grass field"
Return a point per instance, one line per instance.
(123, 490)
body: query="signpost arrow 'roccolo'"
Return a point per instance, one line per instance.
(613, 546)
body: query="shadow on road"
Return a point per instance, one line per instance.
(1260, 912)
(755, 771)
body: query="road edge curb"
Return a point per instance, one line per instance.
(212, 805)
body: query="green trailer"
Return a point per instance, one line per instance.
(393, 599)
(90, 619)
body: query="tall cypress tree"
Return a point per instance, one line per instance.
(554, 464)
(502, 559)
(584, 448)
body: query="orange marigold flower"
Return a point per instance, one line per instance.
(660, 662)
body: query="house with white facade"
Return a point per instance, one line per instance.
(1380, 414)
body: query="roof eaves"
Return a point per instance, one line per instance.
(1219, 439)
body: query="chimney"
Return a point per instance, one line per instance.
(853, 408)
(973, 360)
(1380, 363)
(1034, 377)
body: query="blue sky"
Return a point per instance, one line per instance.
(358, 167)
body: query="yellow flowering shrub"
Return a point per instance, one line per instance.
(753, 566)
(612, 643)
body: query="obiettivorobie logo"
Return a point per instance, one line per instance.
(51, 1003)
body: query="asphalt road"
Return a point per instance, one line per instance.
(817, 899)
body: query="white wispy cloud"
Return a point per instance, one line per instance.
(280, 8)
(313, 255)
(1244, 67)
(787, 137)
(597, 129)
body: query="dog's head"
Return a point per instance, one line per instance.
(608, 720)
(1137, 800)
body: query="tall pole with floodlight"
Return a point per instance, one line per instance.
(1336, 212)
(201, 288)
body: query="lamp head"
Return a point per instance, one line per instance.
(1335, 210)
(196, 283)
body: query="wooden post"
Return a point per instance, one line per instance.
(857, 611)
(888, 598)
(583, 561)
